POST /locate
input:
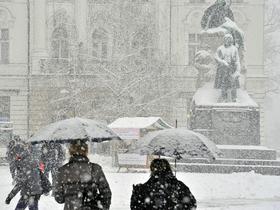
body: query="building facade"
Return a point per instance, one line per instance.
(82, 44)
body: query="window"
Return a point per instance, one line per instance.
(143, 42)
(100, 44)
(4, 45)
(60, 43)
(4, 108)
(193, 45)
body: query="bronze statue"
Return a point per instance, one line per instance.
(228, 70)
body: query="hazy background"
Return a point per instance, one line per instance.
(272, 66)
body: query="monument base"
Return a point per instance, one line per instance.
(225, 123)
(235, 128)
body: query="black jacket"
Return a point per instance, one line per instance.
(162, 193)
(29, 179)
(80, 179)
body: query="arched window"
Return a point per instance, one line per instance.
(60, 43)
(100, 44)
(143, 42)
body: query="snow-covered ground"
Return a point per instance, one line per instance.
(246, 191)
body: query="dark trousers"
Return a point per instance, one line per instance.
(30, 201)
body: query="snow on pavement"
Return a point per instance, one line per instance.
(247, 191)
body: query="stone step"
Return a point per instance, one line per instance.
(226, 168)
(232, 161)
(247, 152)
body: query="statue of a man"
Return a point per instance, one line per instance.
(215, 15)
(228, 70)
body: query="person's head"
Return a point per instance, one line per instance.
(51, 144)
(17, 138)
(78, 148)
(228, 40)
(160, 167)
(21, 151)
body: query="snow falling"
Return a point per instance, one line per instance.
(139, 104)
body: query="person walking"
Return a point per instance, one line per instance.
(29, 181)
(163, 191)
(14, 147)
(52, 157)
(81, 184)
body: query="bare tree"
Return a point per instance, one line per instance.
(132, 80)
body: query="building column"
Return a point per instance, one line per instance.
(81, 11)
(39, 35)
(39, 26)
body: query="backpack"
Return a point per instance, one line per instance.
(45, 183)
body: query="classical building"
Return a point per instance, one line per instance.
(61, 32)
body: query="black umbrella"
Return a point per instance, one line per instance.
(66, 131)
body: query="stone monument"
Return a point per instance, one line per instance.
(221, 107)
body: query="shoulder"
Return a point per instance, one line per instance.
(137, 189)
(95, 166)
(181, 185)
(64, 167)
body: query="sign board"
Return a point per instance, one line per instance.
(133, 160)
(127, 133)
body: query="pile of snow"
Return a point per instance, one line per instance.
(213, 191)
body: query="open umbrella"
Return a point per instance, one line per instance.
(179, 143)
(74, 129)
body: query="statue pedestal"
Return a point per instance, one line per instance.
(235, 128)
(225, 123)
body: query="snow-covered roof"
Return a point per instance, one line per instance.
(208, 96)
(139, 122)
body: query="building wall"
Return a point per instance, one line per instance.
(176, 19)
(13, 81)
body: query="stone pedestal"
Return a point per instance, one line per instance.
(225, 123)
(235, 128)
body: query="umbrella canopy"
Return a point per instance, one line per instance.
(74, 129)
(176, 142)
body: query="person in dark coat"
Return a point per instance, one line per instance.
(11, 158)
(215, 15)
(52, 156)
(81, 184)
(163, 191)
(14, 147)
(28, 182)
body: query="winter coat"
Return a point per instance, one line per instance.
(11, 151)
(80, 179)
(162, 193)
(29, 179)
(52, 157)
